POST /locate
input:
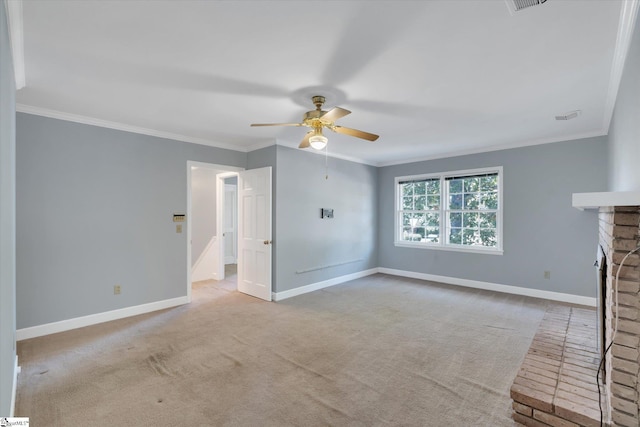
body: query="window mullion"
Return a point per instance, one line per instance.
(444, 197)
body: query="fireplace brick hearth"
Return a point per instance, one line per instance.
(556, 385)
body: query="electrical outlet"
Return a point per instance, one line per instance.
(547, 275)
(178, 228)
(116, 290)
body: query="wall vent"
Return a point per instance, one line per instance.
(518, 5)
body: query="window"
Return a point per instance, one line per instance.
(456, 211)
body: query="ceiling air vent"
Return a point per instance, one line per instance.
(570, 115)
(518, 5)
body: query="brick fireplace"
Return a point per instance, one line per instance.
(619, 233)
(556, 384)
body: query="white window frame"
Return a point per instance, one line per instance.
(444, 197)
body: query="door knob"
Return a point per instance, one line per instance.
(267, 242)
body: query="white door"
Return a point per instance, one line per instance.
(230, 224)
(254, 232)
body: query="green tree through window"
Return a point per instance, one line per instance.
(472, 210)
(450, 210)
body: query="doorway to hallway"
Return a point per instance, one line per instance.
(206, 249)
(211, 219)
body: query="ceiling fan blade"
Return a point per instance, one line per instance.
(305, 140)
(334, 114)
(355, 132)
(277, 124)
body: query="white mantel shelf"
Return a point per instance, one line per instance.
(584, 201)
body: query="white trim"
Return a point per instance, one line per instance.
(76, 118)
(584, 201)
(451, 248)
(330, 154)
(628, 14)
(70, 117)
(515, 290)
(518, 144)
(220, 195)
(16, 37)
(14, 389)
(279, 296)
(261, 145)
(44, 112)
(339, 156)
(93, 319)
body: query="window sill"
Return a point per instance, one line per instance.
(475, 250)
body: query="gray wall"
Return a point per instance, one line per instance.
(203, 210)
(541, 229)
(94, 209)
(624, 133)
(262, 158)
(306, 241)
(7, 218)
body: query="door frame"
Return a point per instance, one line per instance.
(224, 169)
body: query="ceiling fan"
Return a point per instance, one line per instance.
(318, 119)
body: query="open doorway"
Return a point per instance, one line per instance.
(211, 249)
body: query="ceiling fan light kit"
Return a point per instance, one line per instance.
(318, 119)
(318, 142)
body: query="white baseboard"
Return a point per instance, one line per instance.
(279, 296)
(79, 322)
(93, 319)
(16, 371)
(516, 290)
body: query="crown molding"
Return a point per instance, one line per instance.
(518, 144)
(329, 154)
(16, 37)
(348, 158)
(321, 152)
(628, 16)
(54, 114)
(261, 145)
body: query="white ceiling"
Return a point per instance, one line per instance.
(432, 78)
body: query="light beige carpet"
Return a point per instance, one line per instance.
(378, 351)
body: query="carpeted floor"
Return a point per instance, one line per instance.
(377, 351)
